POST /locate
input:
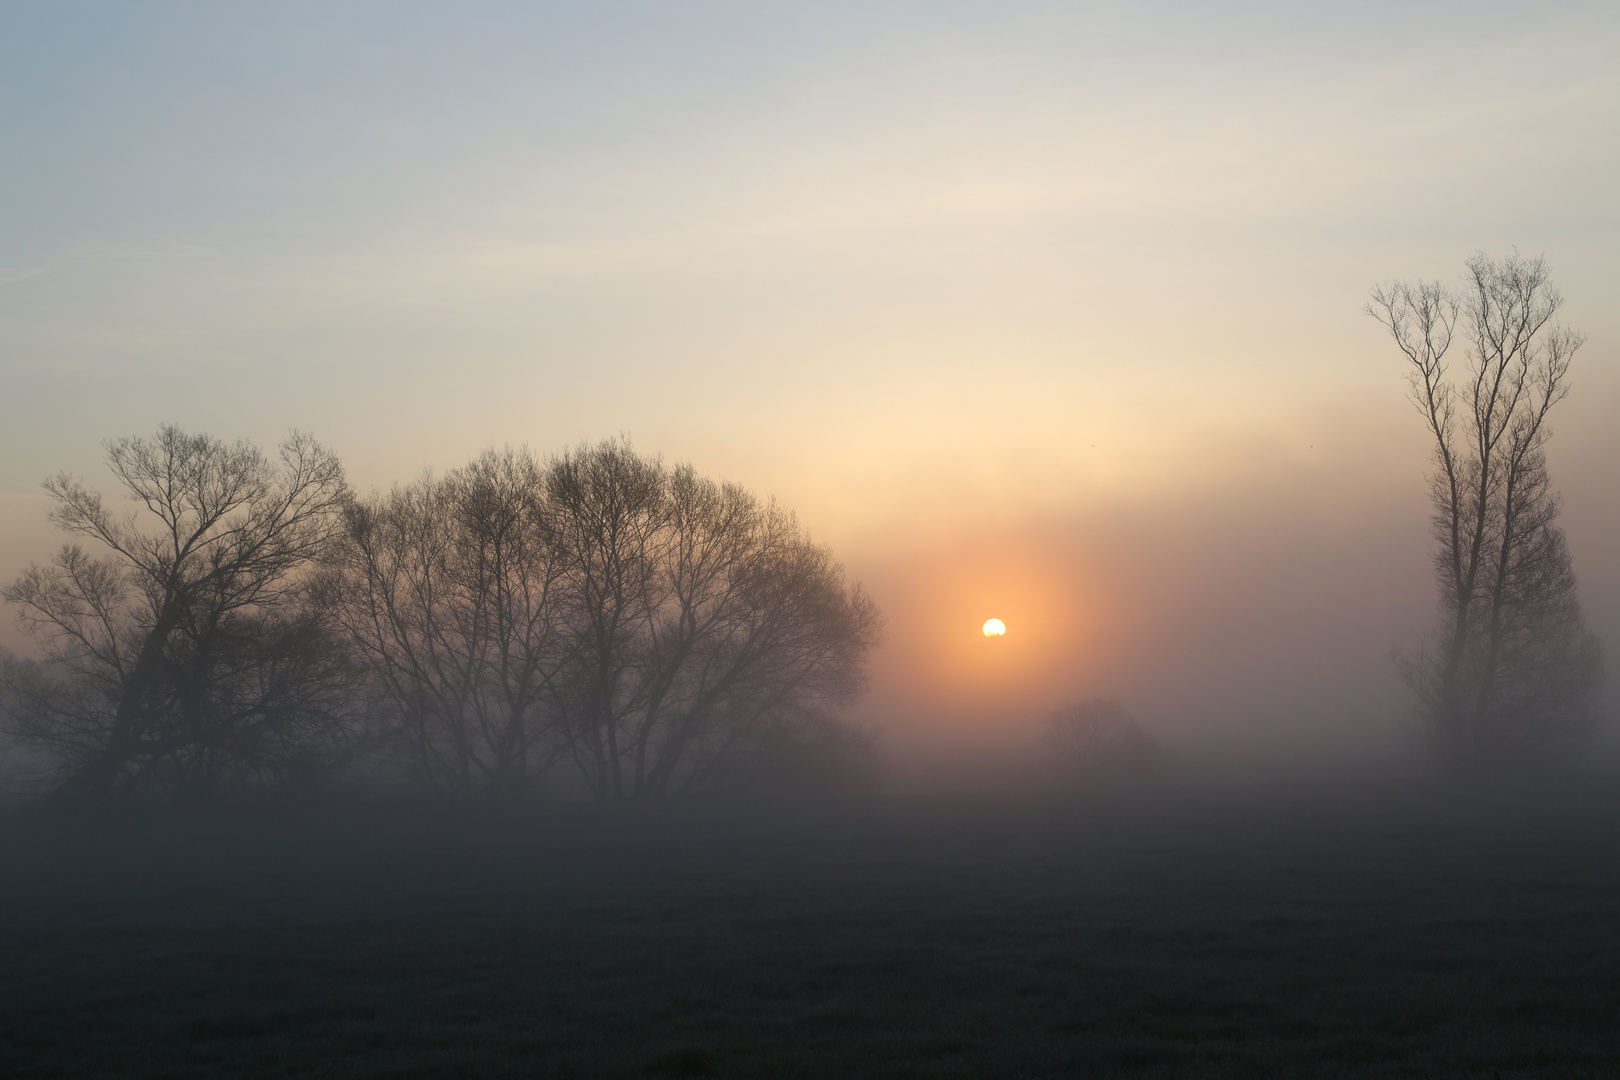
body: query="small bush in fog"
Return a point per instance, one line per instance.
(1098, 739)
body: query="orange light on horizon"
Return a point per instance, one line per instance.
(948, 659)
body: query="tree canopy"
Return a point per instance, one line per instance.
(253, 622)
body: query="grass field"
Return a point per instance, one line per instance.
(1202, 934)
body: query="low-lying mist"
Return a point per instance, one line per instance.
(1372, 926)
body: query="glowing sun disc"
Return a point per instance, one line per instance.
(994, 628)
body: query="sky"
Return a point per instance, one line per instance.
(1049, 312)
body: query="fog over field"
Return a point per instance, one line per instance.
(1380, 931)
(501, 508)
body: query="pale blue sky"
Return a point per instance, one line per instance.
(944, 277)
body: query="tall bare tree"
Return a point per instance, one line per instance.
(1513, 664)
(449, 589)
(188, 652)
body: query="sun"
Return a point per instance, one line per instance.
(994, 628)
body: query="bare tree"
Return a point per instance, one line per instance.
(664, 632)
(706, 625)
(609, 516)
(1513, 665)
(189, 653)
(448, 587)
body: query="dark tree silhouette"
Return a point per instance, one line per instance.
(190, 654)
(663, 632)
(704, 625)
(1512, 666)
(450, 589)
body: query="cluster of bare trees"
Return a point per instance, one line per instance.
(1512, 666)
(661, 632)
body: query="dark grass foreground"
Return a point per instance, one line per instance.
(1202, 936)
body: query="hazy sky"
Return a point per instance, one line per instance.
(1045, 311)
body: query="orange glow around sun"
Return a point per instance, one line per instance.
(947, 658)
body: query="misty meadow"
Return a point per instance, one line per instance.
(878, 540)
(541, 767)
(600, 623)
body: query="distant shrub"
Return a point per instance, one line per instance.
(1099, 739)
